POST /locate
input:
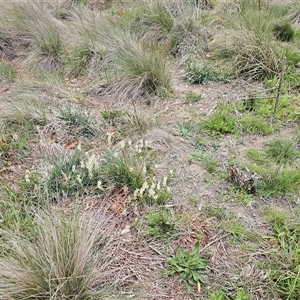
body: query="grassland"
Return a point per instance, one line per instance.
(150, 149)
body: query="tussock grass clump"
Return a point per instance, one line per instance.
(123, 170)
(132, 65)
(161, 224)
(280, 181)
(66, 174)
(248, 41)
(85, 41)
(283, 32)
(14, 214)
(285, 262)
(34, 24)
(175, 25)
(77, 59)
(153, 18)
(78, 121)
(60, 264)
(256, 125)
(257, 61)
(138, 70)
(221, 122)
(199, 73)
(192, 98)
(31, 100)
(282, 150)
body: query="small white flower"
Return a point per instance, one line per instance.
(164, 183)
(91, 164)
(99, 185)
(135, 194)
(151, 193)
(27, 176)
(79, 179)
(144, 187)
(122, 144)
(158, 185)
(153, 185)
(144, 170)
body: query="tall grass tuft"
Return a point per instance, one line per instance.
(139, 68)
(35, 24)
(153, 18)
(59, 264)
(82, 44)
(249, 42)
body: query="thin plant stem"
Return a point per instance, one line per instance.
(279, 87)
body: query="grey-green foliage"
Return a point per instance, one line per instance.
(59, 263)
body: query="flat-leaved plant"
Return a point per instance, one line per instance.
(190, 266)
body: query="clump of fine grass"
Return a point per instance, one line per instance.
(210, 164)
(83, 49)
(192, 98)
(221, 122)
(123, 170)
(161, 224)
(130, 169)
(284, 266)
(249, 43)
(280, 181)
(185, 129)
(197, 73)
(138, 70)
(62, 174)
(32, 100)
(37, 28)
(133, 65)
(15, 213)
(281, 150)
(77, 58)
(153, 18)
(77, 121)
(275, 216)
(256, 125)
(257, 60)
(60, 263)
(283, 32)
